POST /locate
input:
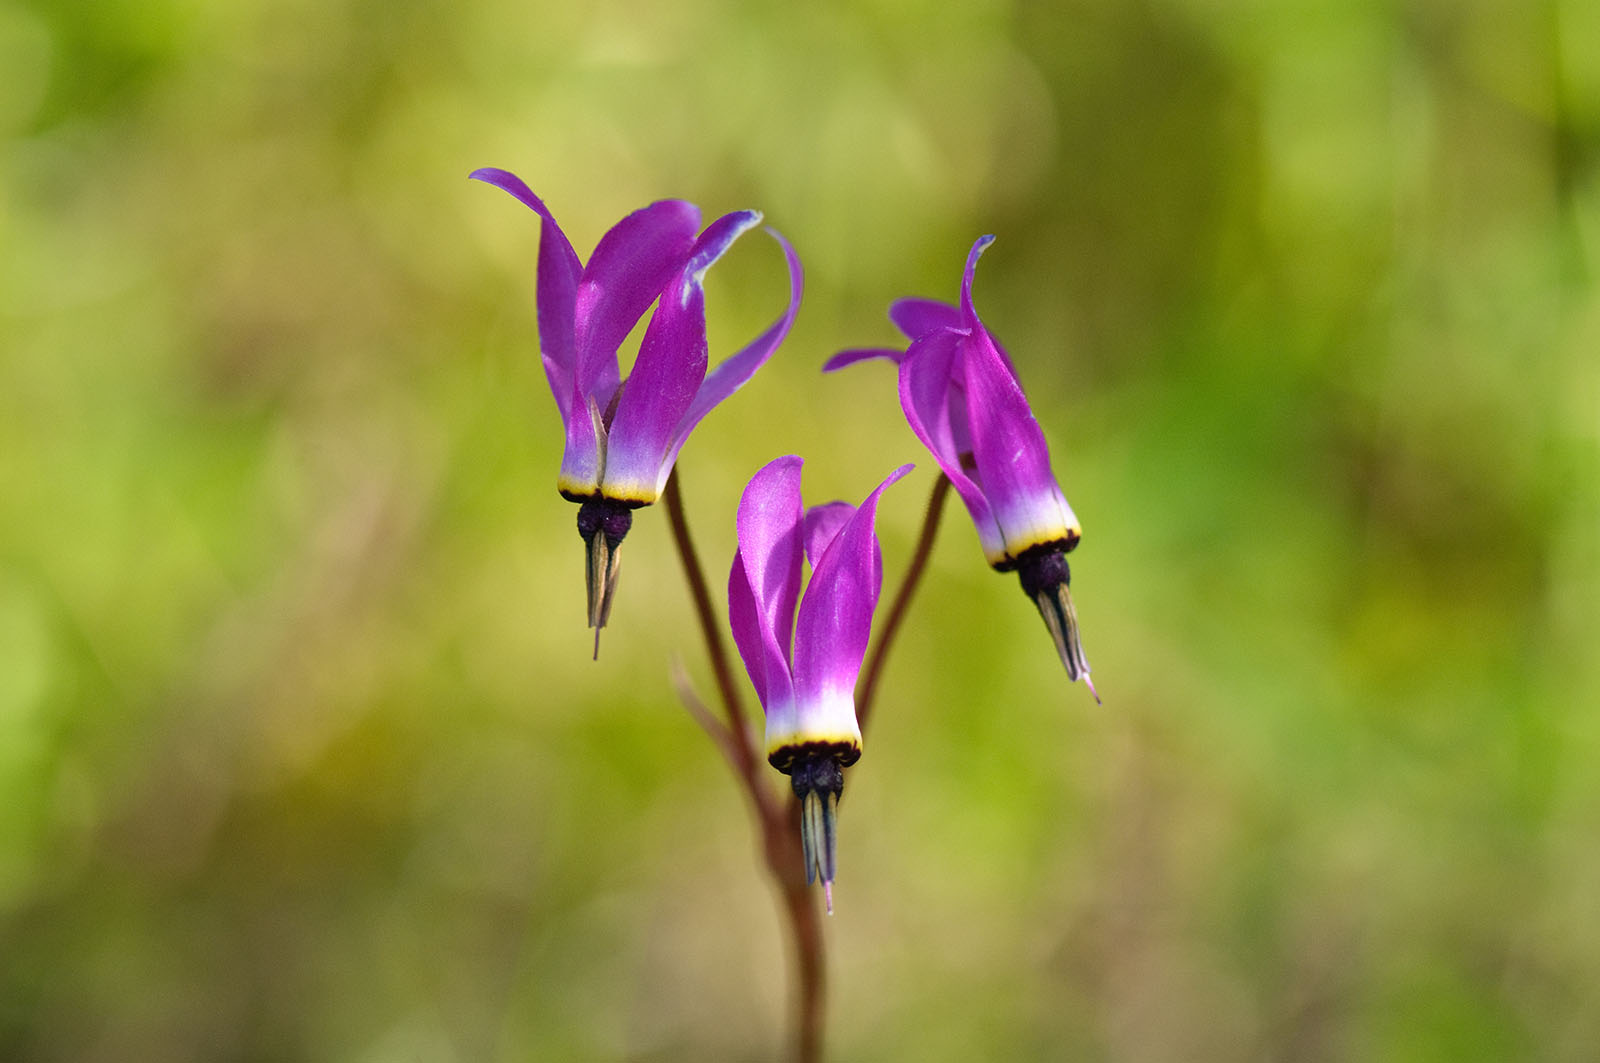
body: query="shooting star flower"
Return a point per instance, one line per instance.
(804, 669)
(962, 398)
(622, 437)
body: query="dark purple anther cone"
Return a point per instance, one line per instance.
(1044, 572)
(819, 772)
(604, 515)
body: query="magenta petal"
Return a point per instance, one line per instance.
(733, 372)
(835, 618)
(937, 416)
(765, 582)
(926, 377)
(861, 354)
(559, 270)
(1012, 457)
(583, 458)
(918, 317)
(668, 373)
(744, 618)
(822, 525)
(671, 363)
(632, 263)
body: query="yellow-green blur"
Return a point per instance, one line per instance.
(302, 752)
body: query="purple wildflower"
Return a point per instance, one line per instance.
(804, 668)
(622, 437)
(962, 398)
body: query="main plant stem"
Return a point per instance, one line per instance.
(779, 817)
(779, 822)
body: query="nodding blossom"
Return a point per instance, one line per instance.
(960, 393)
(623, 436)
(804, 665)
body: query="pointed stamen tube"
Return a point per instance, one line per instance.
(818, 782)
(602, 523)
(1046, 579)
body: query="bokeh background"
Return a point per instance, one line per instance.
(302, 755)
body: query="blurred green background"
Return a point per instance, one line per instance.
(302, 756)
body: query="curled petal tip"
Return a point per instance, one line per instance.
(1090, 684)
(827, 894)
(979, 246)
(861, 354)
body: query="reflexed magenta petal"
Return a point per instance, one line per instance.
(671, 362)
(861, 354)
(632, 263)
(765, 582)
(768, 673)
(918, 317)
(835, 619)
(734, 371)
(823, 524)
(668, 373)
(559, 270)
(956, 407)
(937, 416)
(1012, 457)
(926, 376)
(745, 621)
